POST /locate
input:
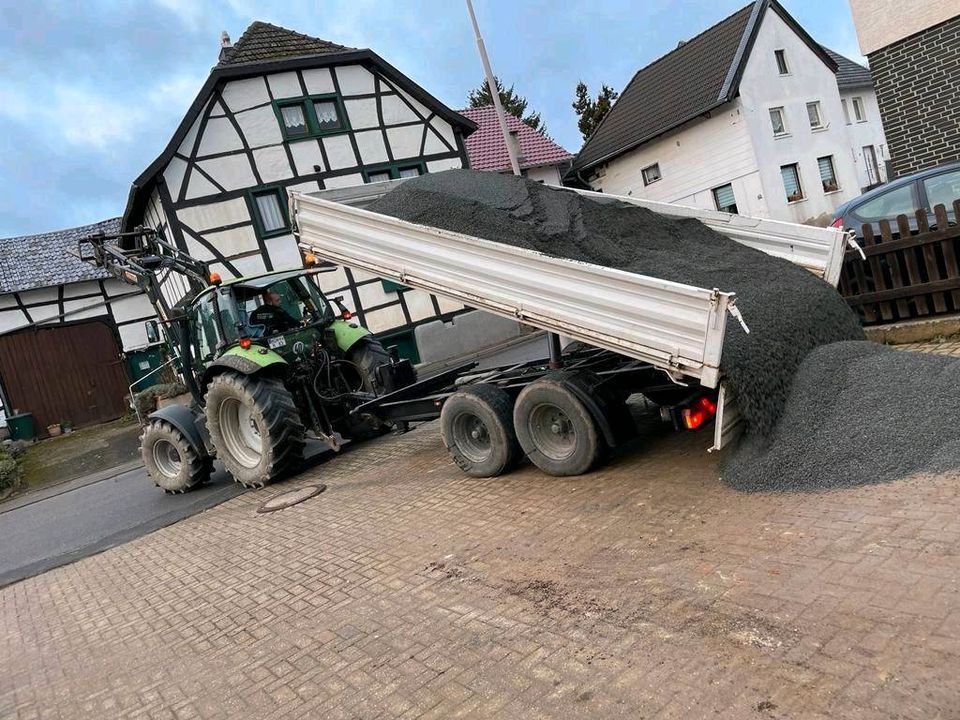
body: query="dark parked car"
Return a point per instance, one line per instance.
(925, 189)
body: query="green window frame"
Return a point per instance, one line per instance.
(307, 106)
(259, 223)
(393, 170)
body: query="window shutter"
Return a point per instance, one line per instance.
(826, 168)
(725, 196)
(790, 181)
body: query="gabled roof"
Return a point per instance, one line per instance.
(49, 259)
(850, 75)
(487, 150)
(689, 81)
(271, 60)
(263, 41)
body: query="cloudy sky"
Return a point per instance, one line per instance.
(91, 91)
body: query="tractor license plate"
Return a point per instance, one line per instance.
(277, 342)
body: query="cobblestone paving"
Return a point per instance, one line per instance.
(944, 347)
(645, 590)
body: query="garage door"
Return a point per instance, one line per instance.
(64, 372)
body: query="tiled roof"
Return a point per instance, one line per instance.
(487, 151)
(850, 75)
(49, 259)
(699, 75)
(262, 42)
(681, 85)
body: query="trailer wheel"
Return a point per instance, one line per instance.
(476, 425)
(171, 461)
(555, 429)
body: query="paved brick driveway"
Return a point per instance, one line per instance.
(648, 589)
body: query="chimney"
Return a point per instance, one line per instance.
(515, 144)
(226, 47)
(681, 43)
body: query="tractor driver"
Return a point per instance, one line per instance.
(273, 317)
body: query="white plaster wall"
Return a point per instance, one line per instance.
(232, 172)
(11, 320)
(700, 156)
(362, 113)
(306, 154)
(259, 127)
(405, 141)
(243, 94)
(318, 81)
(761, 88)
(547, 174)
(867, 132)
(354, 80)
(215, 214)
(284, 85)
(436, 166)
(219, 136)
(339, 152)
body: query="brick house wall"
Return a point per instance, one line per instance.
(919, 97)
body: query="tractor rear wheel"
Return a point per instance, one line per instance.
(172, 462)
(368, 354)
(255, 427)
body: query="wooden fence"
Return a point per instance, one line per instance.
(908, 273)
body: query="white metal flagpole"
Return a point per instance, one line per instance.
(494, 93)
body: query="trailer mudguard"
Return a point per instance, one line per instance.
(186, 420)
(611, 415)
(347, 334)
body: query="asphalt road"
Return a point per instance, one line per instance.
(84, 519)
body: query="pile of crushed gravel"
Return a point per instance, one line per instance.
(789, 311)
(858, 413)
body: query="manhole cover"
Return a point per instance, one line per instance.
(292, 497)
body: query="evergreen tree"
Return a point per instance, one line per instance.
(590, 112)
(513, 104)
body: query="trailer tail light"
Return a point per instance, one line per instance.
(702, 410)
(838, 223)
(245, 343)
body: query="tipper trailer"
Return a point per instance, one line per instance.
(636, 334)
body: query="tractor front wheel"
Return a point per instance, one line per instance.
(171, 461)
(255, 427)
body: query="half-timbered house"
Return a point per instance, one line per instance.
(283, 112)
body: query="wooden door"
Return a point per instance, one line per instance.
(64, 372)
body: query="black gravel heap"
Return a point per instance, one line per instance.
(858, 413)
(788, 310)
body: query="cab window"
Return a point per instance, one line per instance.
(298, 302)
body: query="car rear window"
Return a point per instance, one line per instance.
(942, 189)
(901, 200)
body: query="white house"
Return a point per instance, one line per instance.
(71, 337)
(749, 116)
(284, 112)
(540, 158)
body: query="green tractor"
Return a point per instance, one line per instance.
(269, 361)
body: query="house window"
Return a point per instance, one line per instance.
(651, 173)
(846, 111)
(777, 121)
(724, 199)
(791, 182)
(394, 172)
(781, 57)
(268, 207)
(828, 175)
(858, 112)
(813, 114)
(310, 117)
